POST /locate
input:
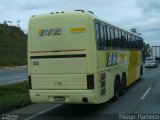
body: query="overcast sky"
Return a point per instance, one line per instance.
(144, 15)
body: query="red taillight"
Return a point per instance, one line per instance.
(29, 81)
(90, 82)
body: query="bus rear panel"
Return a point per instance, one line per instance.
(58, 60)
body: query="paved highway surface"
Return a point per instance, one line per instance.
(13, 75)
(143, 97)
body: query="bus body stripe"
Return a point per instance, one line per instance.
(58, 56)
(58, 51)
(132, 68)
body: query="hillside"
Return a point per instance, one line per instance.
(13, 46)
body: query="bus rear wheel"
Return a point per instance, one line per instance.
(116, 89)
(123, 85)
(141, 73)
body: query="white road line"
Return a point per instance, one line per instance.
(146, 92)
(42, 112)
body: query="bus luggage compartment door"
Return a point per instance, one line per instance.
(58, 73)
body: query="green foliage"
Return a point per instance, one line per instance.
(13, 46)
(14, 96)
(147, 50)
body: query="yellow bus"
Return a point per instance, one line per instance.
(75, 57)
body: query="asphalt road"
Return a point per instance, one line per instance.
(13, 75)
(141, 99)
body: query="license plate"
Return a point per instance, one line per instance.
(59, 98)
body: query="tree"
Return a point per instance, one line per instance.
(147, 50)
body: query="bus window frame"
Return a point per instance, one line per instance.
(102, 36)
(97, 34)
(109, 44)
(108, 39)
(112, 36)
(116, 38)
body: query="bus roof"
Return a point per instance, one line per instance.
(83, 13)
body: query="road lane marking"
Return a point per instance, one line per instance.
(42, 112)
(146, 92)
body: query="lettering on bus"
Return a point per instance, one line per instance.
(112, 59)
(50, 32)
(122, 57)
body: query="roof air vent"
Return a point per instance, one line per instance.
(80, 10)
(134, 30)
(90, 12)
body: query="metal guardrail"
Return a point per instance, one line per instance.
(12, 68)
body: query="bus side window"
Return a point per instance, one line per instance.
(97, 35)
(102, 40)
(141, 43)
(129, 41)
(116, 40)
(123, 39)
(108, 37)
(132, 41)
(112, 37)
(131, 44)
(120, 36)
(105, 36)
(126, 43)
(135, 40)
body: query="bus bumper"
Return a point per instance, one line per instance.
(63, 96)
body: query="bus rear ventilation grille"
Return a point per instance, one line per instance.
(57, 12)
(84, 11)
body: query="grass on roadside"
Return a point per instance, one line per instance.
(14, 96)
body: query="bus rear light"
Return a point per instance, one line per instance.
(30, 82)
(90, 82)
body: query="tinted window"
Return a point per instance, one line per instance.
(129, 41)
(112, 36)
(120, 36)
(102, 39)
(105, 36)
(98, 35)
(116, 40)
(101, 32)
(123, 40)
(108, 37)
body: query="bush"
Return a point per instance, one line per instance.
(14, 96)
(13, 47)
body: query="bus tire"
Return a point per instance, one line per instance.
(123, 85)
(141, 73)
(116, 89)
